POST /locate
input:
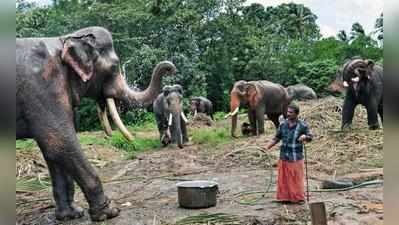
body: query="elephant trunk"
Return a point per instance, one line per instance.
(234, 107)
(176, 129)
(146, 97)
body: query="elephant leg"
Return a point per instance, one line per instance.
(252, 121)
(63, 192)
(274, 119)
(76, 118)
(372, 115)
(347, 112)
(60, 146)
(381, 111)
(260, 120)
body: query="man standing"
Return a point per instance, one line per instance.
(293, 133)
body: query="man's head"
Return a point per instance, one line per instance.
(292, 111)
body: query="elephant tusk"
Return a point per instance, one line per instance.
(184, 117)
(235, 111)
(195, 113)
(346, 84)
(355, 79)
(227, 116)
(102, 115)
(117, 120)
(170, 119)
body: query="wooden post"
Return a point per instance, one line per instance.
(318, 213)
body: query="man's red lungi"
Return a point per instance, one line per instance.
(290, 182)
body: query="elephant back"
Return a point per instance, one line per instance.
(274, 96)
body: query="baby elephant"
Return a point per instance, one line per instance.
(201, 105)
(301, 92)
(171, 121)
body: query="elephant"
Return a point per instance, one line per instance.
(261, 97)
(169, 115)
(301, 92)
(52, 75)
(201, 105)
(363, 80)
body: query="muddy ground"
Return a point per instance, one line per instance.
(144, 188)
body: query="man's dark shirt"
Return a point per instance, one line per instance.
(291, 148)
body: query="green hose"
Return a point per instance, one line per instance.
(270, 181)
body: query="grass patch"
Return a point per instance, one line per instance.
(25, 144)
(375, 163)
(138, 144)
(212, 136)
(219, 116)
(87, 139)
(146, 126)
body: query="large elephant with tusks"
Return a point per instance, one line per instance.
(363, 80)
(52, 76)
(261, 97)
(169, 114)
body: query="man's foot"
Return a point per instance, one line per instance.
(73, 212)
(286, 202)
(104, 212)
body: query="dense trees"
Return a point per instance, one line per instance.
(212, 42)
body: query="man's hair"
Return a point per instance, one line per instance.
(294, 107)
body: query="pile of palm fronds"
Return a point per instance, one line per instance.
(210, 219)
(335, 151)
(31, 185)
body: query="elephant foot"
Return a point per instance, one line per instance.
(346, 127)
(104, 212)
(71, 213)
(374, 127)
(185, 140)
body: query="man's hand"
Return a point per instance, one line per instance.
(302, 138)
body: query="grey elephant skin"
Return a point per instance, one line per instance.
(171, 121)
(363, 80)
(301, 92)
(201, 105)
(52, 75)
(261, 97)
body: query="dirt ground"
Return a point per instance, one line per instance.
(145, 188)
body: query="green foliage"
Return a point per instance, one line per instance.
(138, 145)
(211, 136)
(213, 43)
(317, 74)
(25, 144)
(87, 116)
(87, 139)
(219, 116)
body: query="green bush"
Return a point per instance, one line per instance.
(137, 145)
(317, 75)
(211, 136)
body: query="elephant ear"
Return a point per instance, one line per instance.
(252, 95)
(79, 54)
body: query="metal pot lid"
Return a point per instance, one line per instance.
(197, 184)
